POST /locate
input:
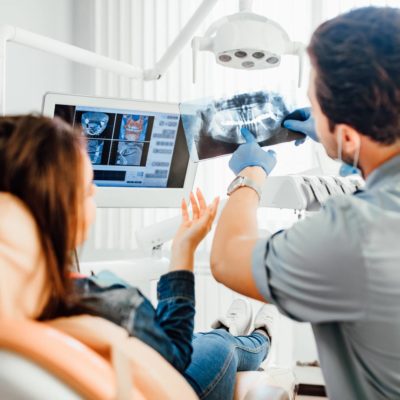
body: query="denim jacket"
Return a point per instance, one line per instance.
(168, 328)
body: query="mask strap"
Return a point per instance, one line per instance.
(357, 157)
(340, 145)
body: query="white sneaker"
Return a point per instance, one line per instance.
(265, 319)
(237, 319)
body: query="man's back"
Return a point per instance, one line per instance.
(340, 271)
(368, 349)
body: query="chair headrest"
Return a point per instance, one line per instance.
(91, 376)
(22, 266)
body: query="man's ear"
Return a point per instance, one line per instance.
(351, 139)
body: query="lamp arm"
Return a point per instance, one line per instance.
(297, 49)
(29, 39)
(246, 5)
(181, 40)
(6, 33)
(17, 35)
(75, 53)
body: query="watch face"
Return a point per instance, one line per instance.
(237, 182)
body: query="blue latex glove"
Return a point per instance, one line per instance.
(302, 121)
(251, 154)
(347, 169)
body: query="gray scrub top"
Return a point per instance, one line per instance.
(340, 270)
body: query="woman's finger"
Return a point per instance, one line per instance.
(214, 207)
(211, 212)
(202, 201)
(195, 206)
(185, 211)
(206, 221)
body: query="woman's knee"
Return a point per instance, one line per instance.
(224, 335)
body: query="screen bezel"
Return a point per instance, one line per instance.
(129, 197)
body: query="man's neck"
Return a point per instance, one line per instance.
(373, 155)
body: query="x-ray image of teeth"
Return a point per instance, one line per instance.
(129, 153)
(95, 150)
(212, 127)
(94, 123)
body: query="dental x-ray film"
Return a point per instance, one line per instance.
(213, 127)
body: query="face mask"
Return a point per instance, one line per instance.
(347, 169)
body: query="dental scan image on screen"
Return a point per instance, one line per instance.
(131, 148)
(212, 127)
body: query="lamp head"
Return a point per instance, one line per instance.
(247, 41)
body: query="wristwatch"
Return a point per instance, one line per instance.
(242, 181)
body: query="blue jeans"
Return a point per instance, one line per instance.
(217, 356)
(209, 361)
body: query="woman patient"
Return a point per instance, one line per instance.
(45, 167)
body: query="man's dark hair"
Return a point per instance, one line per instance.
(356, 57)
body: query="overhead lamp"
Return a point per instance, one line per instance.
(244, 40)
(247, 41)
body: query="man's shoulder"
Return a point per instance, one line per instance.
(345, 202)
(335, 232)
(341, 211)
(368, 209)
(350, 210)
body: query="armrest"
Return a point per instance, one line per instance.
(272, 384)
(267, 392)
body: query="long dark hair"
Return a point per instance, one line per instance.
(41, 164)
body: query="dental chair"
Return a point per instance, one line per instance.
(85, 357)
(40, 362)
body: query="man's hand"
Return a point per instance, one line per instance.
(192, 231)
(251, 154)
(302, 121)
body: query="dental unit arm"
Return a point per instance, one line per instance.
(294, 192)
(306, 192)
(151, 238)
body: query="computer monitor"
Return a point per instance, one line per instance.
(137, 148)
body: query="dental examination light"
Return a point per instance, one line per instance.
(243, 40)
(247, 41)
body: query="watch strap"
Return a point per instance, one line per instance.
(245, 182)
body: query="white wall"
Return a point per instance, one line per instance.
(126, 30)
(31, 73)
(139, 31)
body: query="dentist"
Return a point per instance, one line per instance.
(340, 268)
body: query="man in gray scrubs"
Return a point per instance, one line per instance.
(340, 268)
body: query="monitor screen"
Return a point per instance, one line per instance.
(131, 148)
